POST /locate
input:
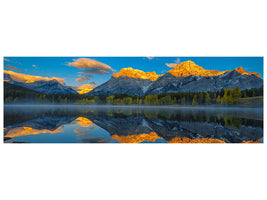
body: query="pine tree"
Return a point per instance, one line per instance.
(201, 98)
(219, 99)
(194, 102)
(207, 98)
(183, 100)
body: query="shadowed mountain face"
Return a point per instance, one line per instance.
(185, 77)
(9, 86)
(123, 85)
(133, 125)
(47, 87)
(171, 84)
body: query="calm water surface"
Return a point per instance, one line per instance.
(103, 124)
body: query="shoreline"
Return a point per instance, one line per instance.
(137, 106)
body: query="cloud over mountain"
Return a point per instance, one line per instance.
(92, 82)
(90, 67)
(84, 78)
(172, 65)
(25, 78)
(11, 67)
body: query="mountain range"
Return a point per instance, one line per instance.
(184, 77)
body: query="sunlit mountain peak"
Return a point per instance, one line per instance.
(83, 89)
(243, 72)
(136, 73)
(188, 68)
(29, 81)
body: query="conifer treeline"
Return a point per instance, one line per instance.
(224, 96)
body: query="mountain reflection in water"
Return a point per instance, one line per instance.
(103, 124)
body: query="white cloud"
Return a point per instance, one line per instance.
(177, 60)
(91, 66)
(25, 78)
(92, 82)
(11, 67)
(84, 77)
(172, 65)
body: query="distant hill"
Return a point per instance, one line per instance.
(47, 87)
(38, 84)
(9, 86)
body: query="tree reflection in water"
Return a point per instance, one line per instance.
(136, 124)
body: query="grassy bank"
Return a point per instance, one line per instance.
(251, 101)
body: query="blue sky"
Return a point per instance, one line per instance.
(58, 66)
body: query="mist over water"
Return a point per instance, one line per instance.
(131, 124)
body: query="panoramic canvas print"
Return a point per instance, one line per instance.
(133, 99)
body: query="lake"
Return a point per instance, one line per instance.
(122, 124)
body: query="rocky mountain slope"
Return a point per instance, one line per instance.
(192, 83)
(185, 77)
(43, 86)
(127, 81)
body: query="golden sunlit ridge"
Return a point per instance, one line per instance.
(22, 131)
(183, 69)
(190, 68)
(83, 89)
(243, 72)
(136, 73)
